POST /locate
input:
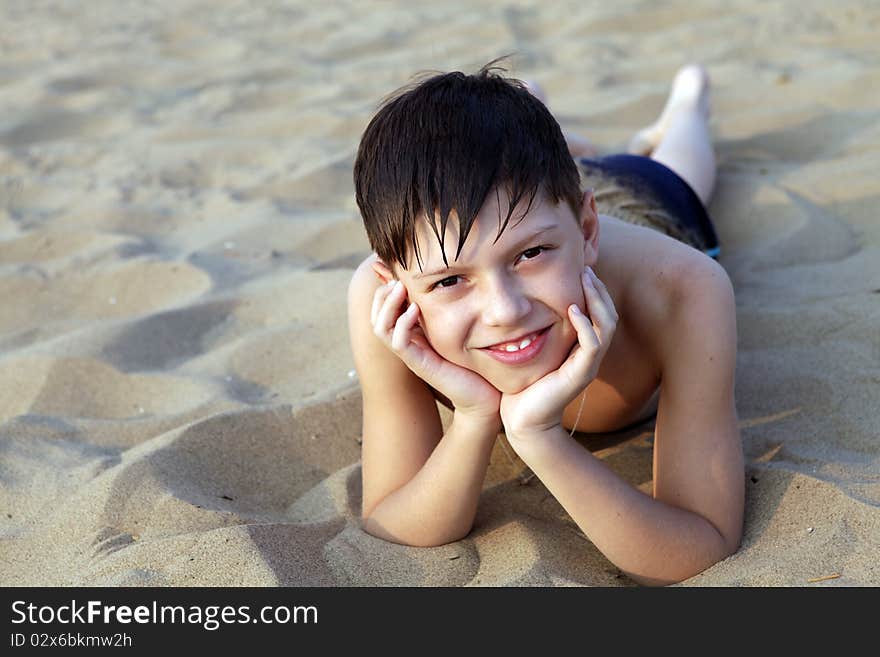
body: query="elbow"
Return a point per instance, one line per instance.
(682, 576)
(667, 579)
(721, 550)
(421, 539)
(646, 581)
(731, 537)
(732, 544)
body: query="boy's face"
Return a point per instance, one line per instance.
(498, 292)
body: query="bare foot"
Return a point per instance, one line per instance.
(690, 91)
(577, 146)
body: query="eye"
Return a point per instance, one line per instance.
(536, 250)
(440, 282)
(539, 250)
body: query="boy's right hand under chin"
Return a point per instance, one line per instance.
(469, 393)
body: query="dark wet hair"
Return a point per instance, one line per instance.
(444, 143)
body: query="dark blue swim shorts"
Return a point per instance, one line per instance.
(642, 191)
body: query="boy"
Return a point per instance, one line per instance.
(535, 329)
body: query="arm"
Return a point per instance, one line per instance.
(695, 516)
(420, 487)
(438, 504)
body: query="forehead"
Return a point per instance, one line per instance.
(524, 221)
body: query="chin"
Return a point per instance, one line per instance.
(513, 385)
(511, 390)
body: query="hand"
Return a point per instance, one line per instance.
(470, 393)
(540, 406)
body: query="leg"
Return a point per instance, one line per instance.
(577, 145)
(680, 138)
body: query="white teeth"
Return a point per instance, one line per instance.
(522, 345)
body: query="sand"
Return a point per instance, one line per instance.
(178, 229)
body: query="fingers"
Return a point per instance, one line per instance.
(400, 336)
(378, 299)
(386, 307)
(587, 336)
(600, 305)
(594, 331)
(395, 329)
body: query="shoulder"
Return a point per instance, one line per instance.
(384, 378)
(699, 303)
(658, 280)
(638, 258)
(364, 277)
(361, 288)
(685, 299)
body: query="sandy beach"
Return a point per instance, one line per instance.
(178, 229)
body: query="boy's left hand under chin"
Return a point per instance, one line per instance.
(539, 407)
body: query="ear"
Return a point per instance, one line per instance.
(589, 223)
(383, 271)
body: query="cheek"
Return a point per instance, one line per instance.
(557, 293)
(444, 330)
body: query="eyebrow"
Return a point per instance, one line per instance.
(436, 272)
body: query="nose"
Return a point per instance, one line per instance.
(504, 303)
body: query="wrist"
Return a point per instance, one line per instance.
(478, 422)
(530, 439)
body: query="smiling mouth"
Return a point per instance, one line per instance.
(517, 344)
